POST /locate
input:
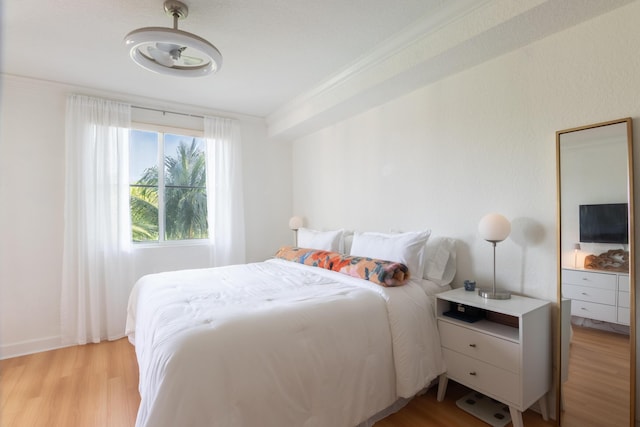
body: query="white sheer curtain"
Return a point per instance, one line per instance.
(225, 204)
(96, 276)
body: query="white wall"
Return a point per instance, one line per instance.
(32, 209)
(31, 214)
(479, 141)
(440, 157)
(592, 173)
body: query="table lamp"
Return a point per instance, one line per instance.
(494, 228)
(295, 223)
(576, 248)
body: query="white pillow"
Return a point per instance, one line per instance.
(347, 239)
(407, 248)
(440, 260)
(322, 240)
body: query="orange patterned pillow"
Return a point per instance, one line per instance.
(384, 273)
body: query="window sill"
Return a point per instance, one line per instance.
(171, 244)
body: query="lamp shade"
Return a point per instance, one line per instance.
(295, 223)
(494, 227)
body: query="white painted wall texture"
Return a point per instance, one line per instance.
(31, 215)
(32, 210)
(479, 141)
(591, 174)
(440, 158)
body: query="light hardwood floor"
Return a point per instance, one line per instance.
(96, 385)
(597, 391)
(93, 385)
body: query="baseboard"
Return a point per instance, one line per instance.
(29, 347)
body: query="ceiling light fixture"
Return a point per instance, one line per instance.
(172, 51)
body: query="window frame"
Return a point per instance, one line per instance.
(175, 130)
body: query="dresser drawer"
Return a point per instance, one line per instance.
(483, 377)
(590, 279)
(624, 316)
(480, 346)
(585, 293)
(624, 299)
(590, 310)
(623, 283)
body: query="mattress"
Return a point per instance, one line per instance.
(432, 288)
(277, 343)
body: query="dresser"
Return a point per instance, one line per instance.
(505, 355)
(598, 295)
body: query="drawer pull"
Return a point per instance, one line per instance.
(472, 373)
(472, 345)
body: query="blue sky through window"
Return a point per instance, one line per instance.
(143, 153)
(157, 205)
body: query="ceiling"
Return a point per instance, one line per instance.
(279, 53)
(272, 49)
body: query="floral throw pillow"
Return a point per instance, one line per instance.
(381, 272)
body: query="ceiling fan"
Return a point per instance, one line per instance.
(169, 54)
(172, 51)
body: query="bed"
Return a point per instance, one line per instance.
(279, 343)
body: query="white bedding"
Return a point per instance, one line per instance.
(277, 344)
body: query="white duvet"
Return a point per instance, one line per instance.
(277, 344)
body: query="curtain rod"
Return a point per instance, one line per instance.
(167, 112)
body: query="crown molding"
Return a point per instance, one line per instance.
(438, 46)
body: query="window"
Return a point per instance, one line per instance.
(167, 183)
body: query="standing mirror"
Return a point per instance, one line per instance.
(596, 336)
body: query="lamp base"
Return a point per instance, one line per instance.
(491, 294)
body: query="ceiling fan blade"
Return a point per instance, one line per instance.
(160, 56)
(168, 47)
(191, 60)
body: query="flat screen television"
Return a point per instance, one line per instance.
(604, 223)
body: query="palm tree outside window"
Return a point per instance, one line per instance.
(168, 194)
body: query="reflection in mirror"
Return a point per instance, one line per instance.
(596, 273)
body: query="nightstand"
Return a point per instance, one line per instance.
(500, 348)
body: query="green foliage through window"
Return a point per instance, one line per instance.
(171, 205)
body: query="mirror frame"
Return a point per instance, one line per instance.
(632, 261)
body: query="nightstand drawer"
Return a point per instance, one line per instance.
(590, 279)
(483, 377)
(509, 364)
(486, 348)
(590, 310)
(584, 293)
